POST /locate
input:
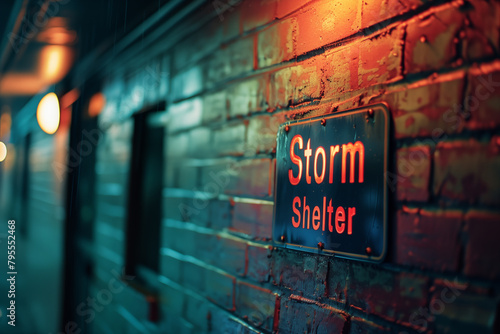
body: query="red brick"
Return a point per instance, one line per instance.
(482, 252)
(376, 11)
(482, 35)
(468, 171)
(429, 240)
(483, 96)
(380, 58)
(277, 44)
(255, 304)
(302, 274)
(414, 169)
(289, 6)
(296, 84)
(427, 109)
(391, 295)
(256, 13)
(325, 22)
(341, 70)
(430, 41)
(300, 315)
(254, 220)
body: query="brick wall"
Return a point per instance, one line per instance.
(248, 67)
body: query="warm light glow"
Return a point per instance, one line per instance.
(48, 113)
(55, 62)
(96, 104)
(69, 98)
(3, 151)
(5, 124)
(57, 35)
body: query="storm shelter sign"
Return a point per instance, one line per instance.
(331, 195)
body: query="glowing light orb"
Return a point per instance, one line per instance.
(48, 113)
(96, 104)
(3, 151)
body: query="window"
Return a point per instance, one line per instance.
(145, 195)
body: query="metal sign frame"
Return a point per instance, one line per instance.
(372, 113)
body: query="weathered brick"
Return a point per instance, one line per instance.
(223, 322)
(231, 61)
(374, 12)
(214, 107)
(254, 220)
(427, 109)
(276, 44)
(326, 22)
(392, 295)
(460, 312)
(296, 84)
(254, 178)
(262, 131)
(429, 240)
(219, 288)
(468, 171)
(256, 304)
(302, 316)
(431, 40)
(337, 278)
(302, 274)
(341, 70)
(259, 263)
(482, 36)
(227, 254)
(230, 139)
(482, 253)
(248, 96)
(483, 96)
(414, 169)
(380, 58)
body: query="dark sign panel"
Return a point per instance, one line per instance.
(331, 194)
